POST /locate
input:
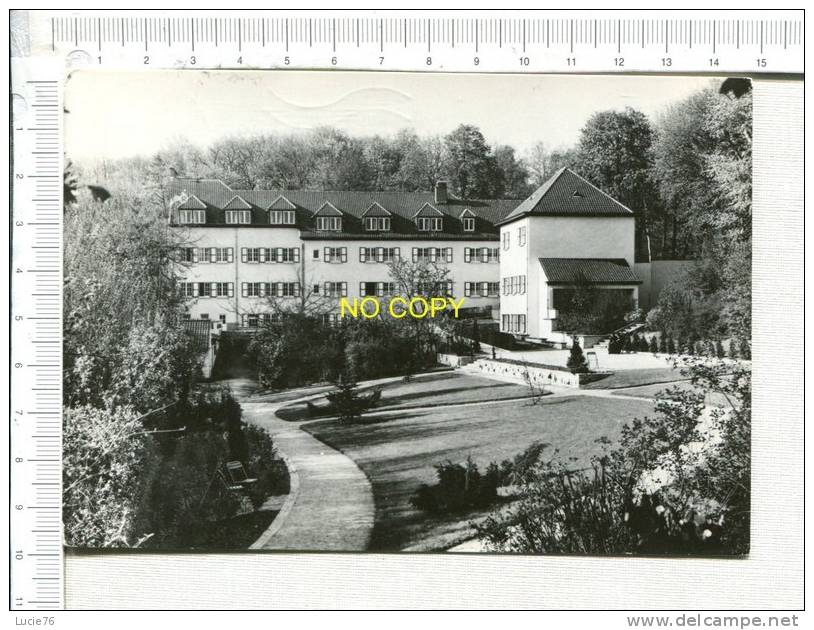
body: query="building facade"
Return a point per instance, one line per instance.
(248, 253)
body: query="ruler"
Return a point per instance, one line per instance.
(36, 340)
(530, 41)
(510, 41)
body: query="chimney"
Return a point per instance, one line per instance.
(441, 192)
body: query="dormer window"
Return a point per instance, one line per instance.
(430, 224)
(469, 224)
(192, 217)
(329, 224)
(377, 224)
(238, 217)
(281, 217)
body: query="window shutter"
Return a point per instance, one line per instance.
(467, 289)
(194, 289)
(230, 289)
(380, 288)
(244, 256)
(362, 254)
(433, 254)
(344, 254)
(296, 254)
(213, 254)
(396, 252)
(449, 254)
(230, 254)
(327, 254)
(344, 289)
(362, 289)
(213, 289)
(244, 289)
(297, 291)
(380, 254)
(415, 254)
(467, 254)
(194, 254)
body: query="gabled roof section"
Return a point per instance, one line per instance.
(593, 270)
(192, 203)
(327, 209)
(281, 203)
(376, 210)
(237, 203)
(467, 212)
(428, 210)
(567, 194)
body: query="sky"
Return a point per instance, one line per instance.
(123, 114)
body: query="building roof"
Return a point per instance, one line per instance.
(199, 330)
(593, 270)
(237, 203)
(568, 194)
(402, 207)
(192, 203)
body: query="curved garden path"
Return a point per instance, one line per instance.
(330, 504)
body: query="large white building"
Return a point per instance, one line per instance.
(242, 247)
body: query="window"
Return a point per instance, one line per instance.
(190, 217)
(329, 224)
(377, 288)
(207, 289)
(336, 254)
(336, 289)
(506, 237)
(281, 217)
(469, 224)
(435, 289)
(204, 315)
(285, 289)
(316, 254)
(255, 289)
(253, 254)
(481, 289)
(481, 254)
(222, 318)
(430, 224)
(514, 285)
(377, 224)
(251, 320)
(432, 254)
(242, 217)
(215, 255)
(513, 324)
(330, 319)
(378, 254)
(521, 236)
(188, 254)
(283, 255)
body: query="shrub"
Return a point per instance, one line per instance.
(576, 360)
(745, 350)
(615, 344)
(346, 400)
(460, 487)
(663, 342)
(653, 345)
(671, 346)
(643, 345)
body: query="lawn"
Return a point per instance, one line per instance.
(649, 391)
(399, 451)
(636, 377)
(445, 388)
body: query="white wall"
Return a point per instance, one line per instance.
(558, 237)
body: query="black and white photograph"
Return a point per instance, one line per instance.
(407, 312)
